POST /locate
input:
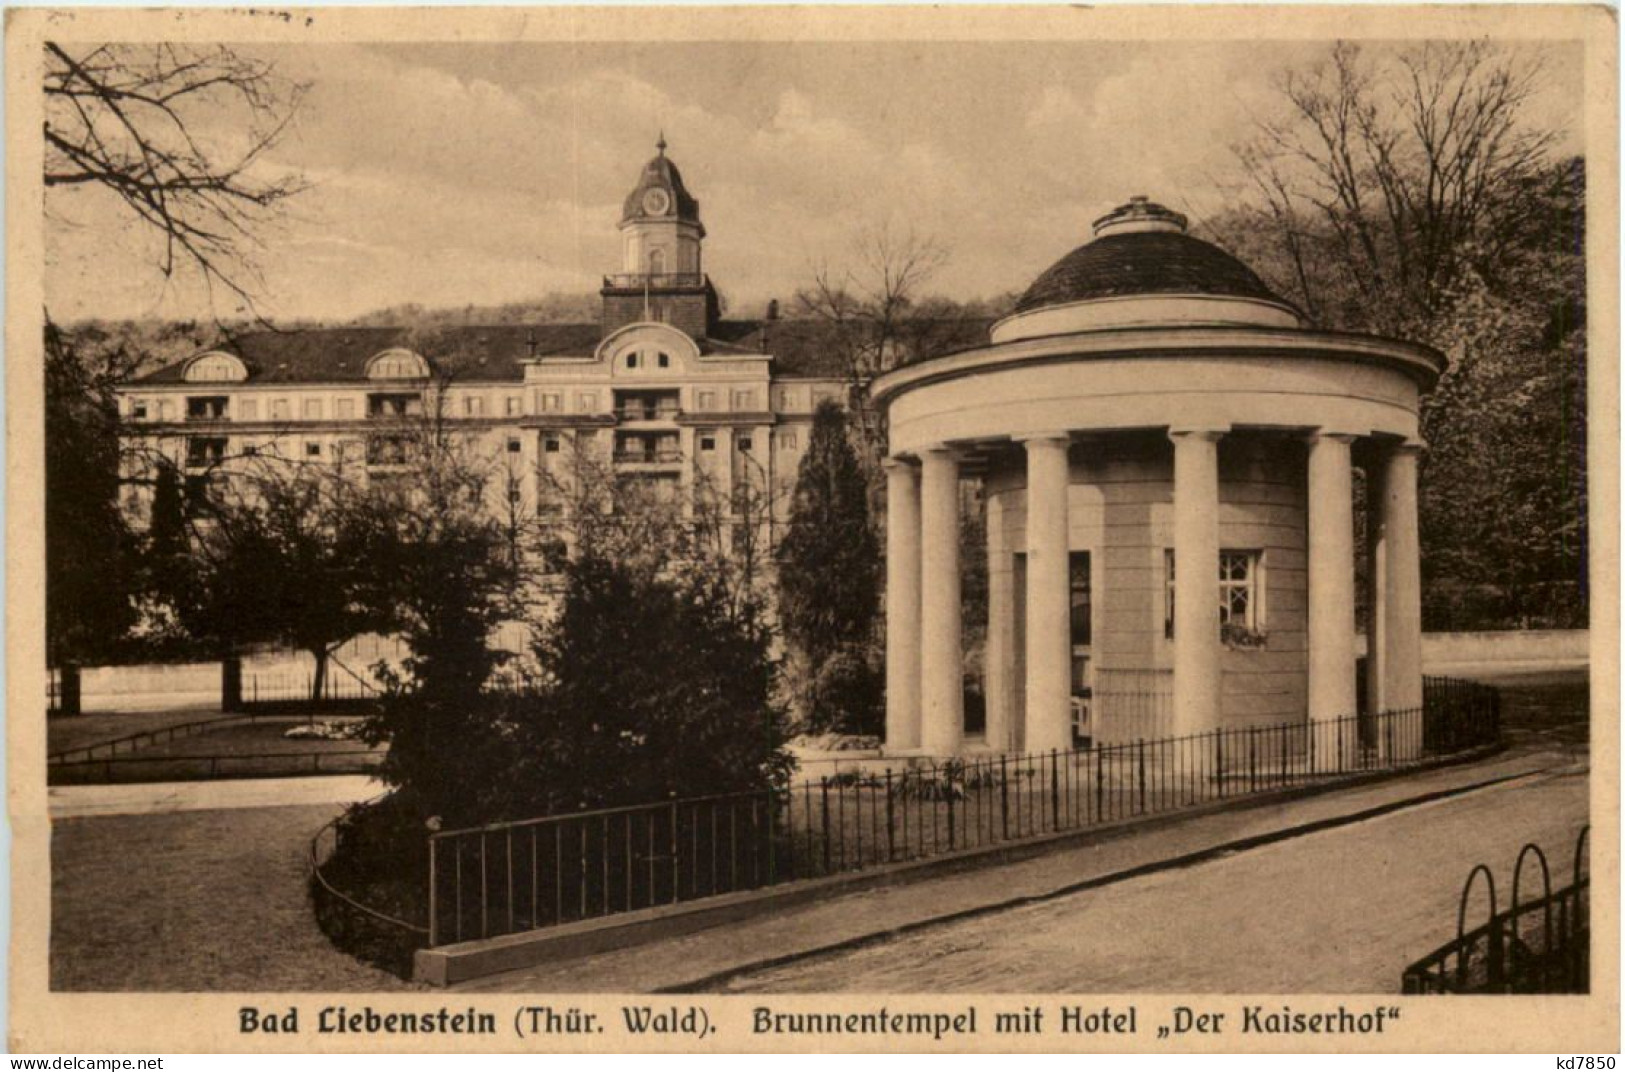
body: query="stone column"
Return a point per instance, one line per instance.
(1395, 652)
(999, 658)
(942, 697)
(1049, 612)
(1331, 594)
(1196, 579)
(902, 605)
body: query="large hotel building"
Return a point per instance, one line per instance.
(661, 387)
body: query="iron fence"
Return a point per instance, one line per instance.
(110, 770)
(294, 686)
(134, 742)
(523, 875)
(1127, 705)
(1540, 946)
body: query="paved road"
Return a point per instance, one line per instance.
(1342, 911)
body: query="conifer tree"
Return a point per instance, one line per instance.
(828, 565)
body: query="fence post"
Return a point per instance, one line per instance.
(891, 844)
(1054, 789)
(1004, 798)
(1218, 760)
(1139, 777)
(1100, 783)
(823, 788)
(676, 878)
(434, 895)
(1252, 759)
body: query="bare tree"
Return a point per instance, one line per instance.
(124, 120)
(869, 304)
(1401, 173)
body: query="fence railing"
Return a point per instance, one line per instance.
(110, 770)
(296, 687)
(536, 873)
(1130, 705)
(134, 742)
(1539, 946)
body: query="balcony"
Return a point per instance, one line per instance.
(648, 457)
(205, 453)
(649, 413)
(205, 409)
(394, 407)
(654, 281)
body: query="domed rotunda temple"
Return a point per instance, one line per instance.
(1167, 454)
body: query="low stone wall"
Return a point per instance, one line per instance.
(1507, 651)
(1513, 649)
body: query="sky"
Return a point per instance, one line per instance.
(475, 174)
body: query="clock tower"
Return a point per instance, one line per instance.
(660, 277)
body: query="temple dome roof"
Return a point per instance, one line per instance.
(1141, 248)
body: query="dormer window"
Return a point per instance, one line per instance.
(215, 367)
(397, 365)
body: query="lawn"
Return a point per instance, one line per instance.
(202, 900)
(63, 732)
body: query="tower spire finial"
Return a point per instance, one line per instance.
(661, 143)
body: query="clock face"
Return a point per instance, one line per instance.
(655, 202)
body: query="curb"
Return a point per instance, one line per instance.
(1172, 863)
(479, 958)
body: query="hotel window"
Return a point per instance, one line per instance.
(587, 401)
(744, 444)
(202, 452)
(313, 450)
(164, 412)
(513, 446)
(552, 402)
(513, 489)
(515, 405)
(279, 409)
(707, 401)
(344, 409)
(744, 400)
(708, 443)
(787, 440)
(211, 408)
(313, 409)
(551, 444)
(138, 409)
(632, 359)
(473, 406)
(248, 409)
(664, 360)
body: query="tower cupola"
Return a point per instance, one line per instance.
(661, 276)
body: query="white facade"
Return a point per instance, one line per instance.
(661, 388)
(1167, 454)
